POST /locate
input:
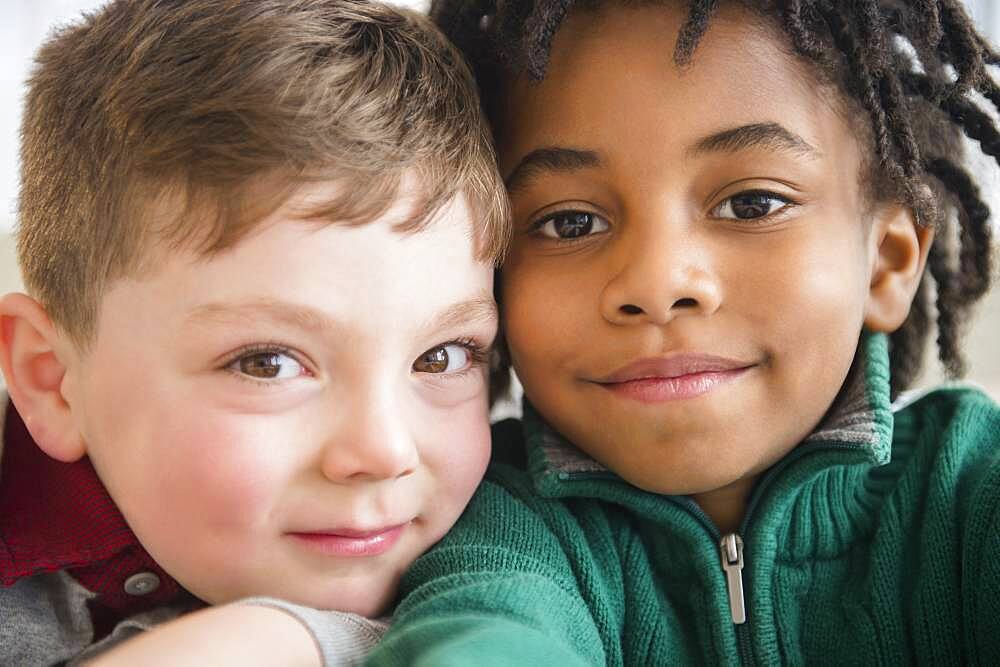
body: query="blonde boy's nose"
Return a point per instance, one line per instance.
(374, 444)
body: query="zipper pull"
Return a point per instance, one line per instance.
(731, 547)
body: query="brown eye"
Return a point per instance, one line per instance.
(751, 205)
(442, 359)
(267, 366)
(571, 225)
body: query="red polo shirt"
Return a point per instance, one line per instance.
(58, 516)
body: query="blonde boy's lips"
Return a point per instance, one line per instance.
(351, 542)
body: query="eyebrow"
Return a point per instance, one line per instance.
(559, 159)
(756, 135)
(549, 159)
(301, 317)
(480, 308)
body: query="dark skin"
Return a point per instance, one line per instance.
(669, 214)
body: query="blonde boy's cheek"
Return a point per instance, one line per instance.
(459, 448)
(205, 479)
(213, 509)
(230, 466)
(455, 451)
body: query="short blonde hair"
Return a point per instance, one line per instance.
(222, 108)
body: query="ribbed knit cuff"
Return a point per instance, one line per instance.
(343, 639)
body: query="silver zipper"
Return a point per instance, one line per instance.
(731, 547)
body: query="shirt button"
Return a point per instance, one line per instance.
(142, 583)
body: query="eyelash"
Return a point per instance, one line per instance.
(537, 225)
(787, 203)
(258, 348)
(479, 355)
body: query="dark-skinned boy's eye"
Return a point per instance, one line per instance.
(750, 205)
(571, 225)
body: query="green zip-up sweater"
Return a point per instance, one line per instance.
(875, 541)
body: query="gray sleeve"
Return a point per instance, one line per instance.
(343, 639)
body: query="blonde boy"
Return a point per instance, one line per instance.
(258, 241)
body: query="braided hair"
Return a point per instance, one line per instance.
(917, 69)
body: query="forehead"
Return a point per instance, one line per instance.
(617, 63)
(360, 278)
(376, 255)
(209, 219)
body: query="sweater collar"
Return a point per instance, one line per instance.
(858, 427)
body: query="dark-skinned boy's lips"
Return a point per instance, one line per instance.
(678, 376)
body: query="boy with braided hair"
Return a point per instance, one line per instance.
(716, 286)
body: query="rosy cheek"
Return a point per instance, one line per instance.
(219, 468)
(456, 452)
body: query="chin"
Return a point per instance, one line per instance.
(671, 487)
(676, 480)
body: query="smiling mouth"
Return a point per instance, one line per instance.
(657, 380)
(343, 542)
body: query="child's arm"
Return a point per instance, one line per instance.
(258, 632)
(500, 589)
(230, 634)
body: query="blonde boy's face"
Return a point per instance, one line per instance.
(300, 416)
(690, 264)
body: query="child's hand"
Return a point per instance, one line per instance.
(230, 634)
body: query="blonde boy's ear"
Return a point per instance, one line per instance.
(900, 254)
(34, 375)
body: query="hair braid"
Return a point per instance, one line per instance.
(991, 91)
(693, 29)
(868, 90)
(948, 317)
(933, 31)
(799, 27)
(990, 56)
(870, 25)
(872, 28)
(975, 233)
(541, 28)
(975, 123)
(962, 41)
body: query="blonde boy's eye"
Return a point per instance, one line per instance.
(267, 366)
(571, 225)
(449, 358)
(750, 205)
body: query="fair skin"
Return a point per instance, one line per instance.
(299, 416)
(685, 287)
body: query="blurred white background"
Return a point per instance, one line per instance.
(25, 23)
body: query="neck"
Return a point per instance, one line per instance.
(727, 506)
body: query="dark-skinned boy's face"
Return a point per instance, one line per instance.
(691, 262)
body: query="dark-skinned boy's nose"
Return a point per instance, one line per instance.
(655, 286)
